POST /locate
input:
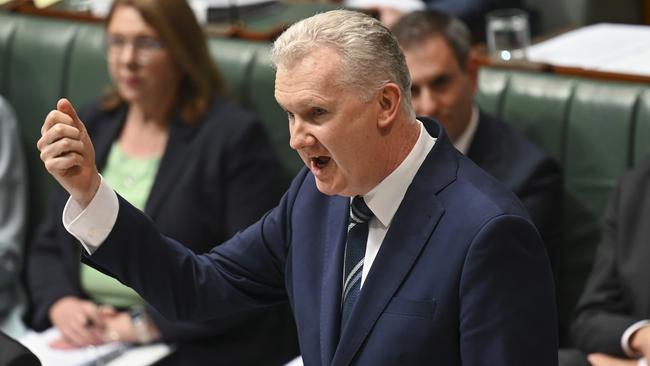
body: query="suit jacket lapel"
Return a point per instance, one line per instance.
(330, 309)
(105, 132)
(178, 147)
(410, 230)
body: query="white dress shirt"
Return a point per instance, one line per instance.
(384, 199)
(464, 141)
(625, 338)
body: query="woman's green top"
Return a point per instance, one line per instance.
(132, 178)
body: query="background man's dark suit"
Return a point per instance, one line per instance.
(617, 293)
(461, 277)
(532, 175)
(213, 180)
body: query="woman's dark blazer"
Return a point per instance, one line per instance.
(214, 179)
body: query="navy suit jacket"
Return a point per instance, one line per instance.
(524, 168)
(462, 277)
(206, 189)
(616, 294)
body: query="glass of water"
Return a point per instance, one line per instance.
(508, 34)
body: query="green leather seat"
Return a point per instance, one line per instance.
(492, 84)
(38, 64)
(538, 105)
(88, 76)
(598, 141)
(8, 26)
(234, 58)
(261, 100)
(642, 132)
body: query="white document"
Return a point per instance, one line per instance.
(110, 354)
(406, 6)
(38, 343)
(618, 48)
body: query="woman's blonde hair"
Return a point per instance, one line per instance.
(181, 34)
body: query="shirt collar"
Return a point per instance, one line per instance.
(386, 197)
(463, 142)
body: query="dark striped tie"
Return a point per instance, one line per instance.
(355, 250)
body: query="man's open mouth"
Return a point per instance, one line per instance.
(320, 161)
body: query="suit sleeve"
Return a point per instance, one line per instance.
(602, 314)
(507, 307)
(244, 273)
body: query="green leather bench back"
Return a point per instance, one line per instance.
(596, 130)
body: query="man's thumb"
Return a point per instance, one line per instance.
(64, 105)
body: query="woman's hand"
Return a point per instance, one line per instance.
(79, 322)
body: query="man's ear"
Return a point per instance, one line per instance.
(390, 98)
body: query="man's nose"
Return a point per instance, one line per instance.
(427, 104)
(300, 136)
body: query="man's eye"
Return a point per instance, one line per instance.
(440, 82)
(415, 91)
(316, 112)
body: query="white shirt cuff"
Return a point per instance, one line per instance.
(625, 339)
(642, 362)
(92, 225)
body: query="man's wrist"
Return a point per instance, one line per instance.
(86, 197)
(640, 340)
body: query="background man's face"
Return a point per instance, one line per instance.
(441, 88)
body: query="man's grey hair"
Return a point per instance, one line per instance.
(371, 56)
(416, 27)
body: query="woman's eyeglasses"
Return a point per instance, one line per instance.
(144, 48)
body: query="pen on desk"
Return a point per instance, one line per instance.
(88, 323)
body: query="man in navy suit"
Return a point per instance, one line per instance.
(437, 47)
(435, 263)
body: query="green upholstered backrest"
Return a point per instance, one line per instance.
(38, 64)
(262, 101)
(538, 104)
(642, 133)
(7, 30)
(87, 76)
(234, 58)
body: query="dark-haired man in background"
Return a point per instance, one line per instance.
(437, 49)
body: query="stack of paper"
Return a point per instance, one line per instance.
(607, 47)
(38, 343)
(111, 354)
